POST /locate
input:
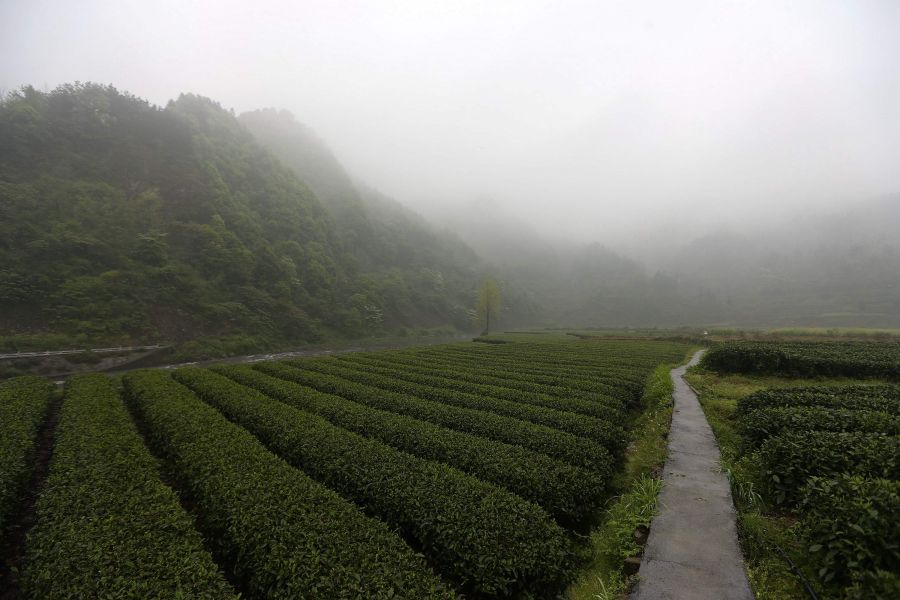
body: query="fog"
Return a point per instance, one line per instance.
(611, 121)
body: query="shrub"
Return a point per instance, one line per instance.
(853, 529)
(767, 422)
(106, 526)
(787, 461)
(283, 534)
(488, 540)
(574, 450)
(24, 402)
(610, 435)
(830, 359)
(569, 493)
(884, 398)
(510, 382)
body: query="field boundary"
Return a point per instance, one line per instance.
(693, 549)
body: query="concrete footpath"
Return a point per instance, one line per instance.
(692, 552)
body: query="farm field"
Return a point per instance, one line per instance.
(466, 469)
(810, 437)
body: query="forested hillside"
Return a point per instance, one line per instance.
(418, 272)
(122, 221)
(125, 222)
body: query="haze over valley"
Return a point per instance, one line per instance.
(288, 173)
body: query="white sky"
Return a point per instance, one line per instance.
(597, 120)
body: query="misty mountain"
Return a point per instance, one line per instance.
(120, 220)
(831, 268)
(823, 269)
(124, 221)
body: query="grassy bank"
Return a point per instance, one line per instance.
(633, 502)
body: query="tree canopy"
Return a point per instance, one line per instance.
(488, 305)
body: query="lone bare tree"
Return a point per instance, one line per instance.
(488, 303)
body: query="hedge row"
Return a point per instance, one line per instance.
(588, 362)
(485, 381)
(884, 398)
(282, 534)
(854, 532)
(106, 526)
(845, 359)
(638, 353)
(609, 434)
(601, 400)
(553, 373)
(603, 386)
(488, 540)
(582, 377)
(768, 422)
(571, 494)
(597, 366)
(24, 402)
(787, 461)
(571, 449)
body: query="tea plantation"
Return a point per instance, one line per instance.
(462, 470)
(829, 456)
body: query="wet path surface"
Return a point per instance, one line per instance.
(692, 552)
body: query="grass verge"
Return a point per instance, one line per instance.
(635, 490)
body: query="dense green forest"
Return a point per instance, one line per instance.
(123, 221)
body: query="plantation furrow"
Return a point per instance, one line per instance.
(24, 405)
(607, 433)
(539, 365)
(624, 354)
(571, 449)
(104, 483)
(485, 382)
(28, 413)
(281, 534)
(487, 540)
(599, 401)
(544, 363)
(569, 493)
(538, 369)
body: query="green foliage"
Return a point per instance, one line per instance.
(497, 382)
(568, 493)
(831, 455)
(446, 391)
(488, 304)
(885, 398)
(787, 461)
(854, 532)
(24, 402)
(412, 273)
(282, 534)
(569, 448)
(764, 423)
(628, 512)
(106, 526)
(122, 221)
(487, 540)
(613, 541)
(808, 359)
